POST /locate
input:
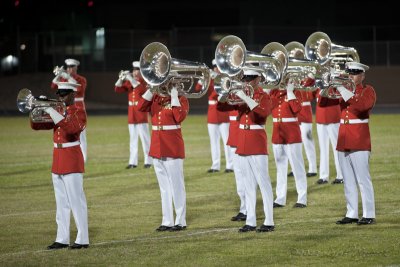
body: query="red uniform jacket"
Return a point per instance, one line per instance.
(214, 116)
(80, 93)
(69, 159)
(356, 136)
(166, 143)
(327, 110)
(134, 95)
(251, 142)
(305, 115)
(285, 132)
(233, 128)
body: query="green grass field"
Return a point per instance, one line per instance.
(125, 207)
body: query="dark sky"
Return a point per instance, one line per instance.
(33, 15)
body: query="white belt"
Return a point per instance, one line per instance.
(353, 121)
(134, 103)
(79, 99)
(284, 119)
(212, 102)
(306, 104)
(251, 127)
(232, 118)
(165, 127)
(64, 145)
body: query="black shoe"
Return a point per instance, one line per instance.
(212, 170)
(78, 246)
(228, 170)
(163, 228)
(57, 245)
(146, 166)
(177, 227)
(276, 205)
(364, 221)
(337, 181)
(347, 220)
(311, 174)
(247, 228)
(322, 181)
(299, 205)
(131, 166)
(266, 228)
(290, 174)
(239, 217)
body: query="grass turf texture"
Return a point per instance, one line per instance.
(125, 208)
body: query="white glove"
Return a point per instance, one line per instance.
(55, 116)
(174, 98)
(311, 76)
(119, 83)
(324, 92)
(130, 78)
(289, 90)
(249, 101)
(346, 94)
(56, 79)
(148, 95)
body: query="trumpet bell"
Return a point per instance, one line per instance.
(230, 55)
(24, 100)
(318, 47)
(155, 63)
(295, 50)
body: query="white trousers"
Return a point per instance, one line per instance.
(255, 172)
(355, 167)
(292, 153)
(68, 190)
(240, 187)
(309, 146)
(169, 172)
(136, 130)
(216, 132)
(328, 133)
(83, 141)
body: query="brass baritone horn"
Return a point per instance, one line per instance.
(162, 72)
(39, 119)
(332, 58)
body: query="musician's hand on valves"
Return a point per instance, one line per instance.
(55, 116)
(346, 94)
(248, 100)
(289, 90)
(174, 98)
(222, 98)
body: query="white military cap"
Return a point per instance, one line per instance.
(67, 86)
(214, 62)
(72, 62)
(136, 64)
(355, 67)
(251, 72)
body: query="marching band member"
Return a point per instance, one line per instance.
(286, 144)
(135, 86)
(67, 170)
(71, 75)
(167, 150)
(327, 119)
(218, 127)
(232, 143)
(354, 145)
(252, 151)
(305, 118)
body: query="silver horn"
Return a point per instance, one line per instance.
(26, 102)
(163, 72)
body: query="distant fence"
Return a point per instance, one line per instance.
(102, 50)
